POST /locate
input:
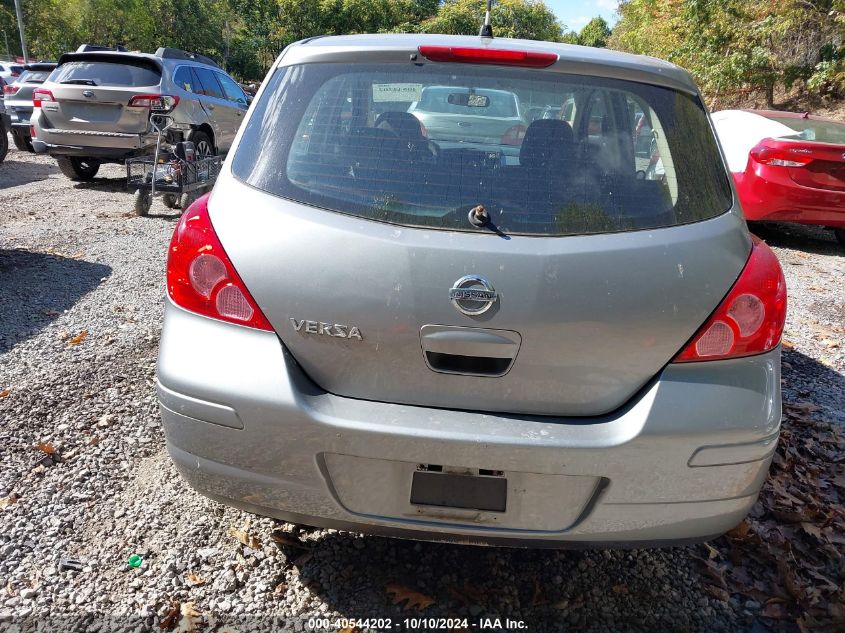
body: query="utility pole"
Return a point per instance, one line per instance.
(20, 28)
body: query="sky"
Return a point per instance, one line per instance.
(575, 14)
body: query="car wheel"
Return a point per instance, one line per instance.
(22, 142)
(143, 202)
(78, 169)
(4, 144)
(840, 235)
(187, 199)
(170, 200)
(203, 143)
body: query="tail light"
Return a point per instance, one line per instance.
(157, 103)
(514, 135)
(750, 319)
(497, 56)
(41, 95)
(779, 157)
(200, 276)
(32, 131)
(10, 89)
(423, 130)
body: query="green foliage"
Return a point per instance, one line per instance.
(735, 47)
(526, 19)
(595, 33)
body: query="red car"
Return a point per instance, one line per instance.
(788, 167)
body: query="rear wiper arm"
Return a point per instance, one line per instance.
(81, 82)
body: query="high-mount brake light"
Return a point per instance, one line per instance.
(484, 55)
(41, 95)
(157, 103)
(200, 276)
(750, 319)
(779, 157)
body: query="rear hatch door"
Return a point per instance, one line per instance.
(357, 244)
(92, 92)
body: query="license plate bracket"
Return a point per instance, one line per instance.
(467, 492)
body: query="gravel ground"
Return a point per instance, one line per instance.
(81, 286)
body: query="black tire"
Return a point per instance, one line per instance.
(204, 144)
(143, 201)
(4, 143)
(22, 143)
(187, 199)
(840, 235)
(78, 169)
(170, 200)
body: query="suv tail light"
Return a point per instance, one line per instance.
(200, 276)
(157, 103)
(514, 135)
(497, 56)
(750, 319)
(10, 89)
(779, 157)
(41, 95)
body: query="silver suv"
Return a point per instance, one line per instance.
(378, 327)
(95, 107)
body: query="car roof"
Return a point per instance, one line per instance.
(575, 59)
(790, 115)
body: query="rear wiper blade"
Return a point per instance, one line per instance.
(81, 82)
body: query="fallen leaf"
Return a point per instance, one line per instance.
(718, 593)
(774, 610)
(194, 580)
(830, 343)
(51, 313)
(620, 589)
(348, 629)
(7, 501)
(189, 618)
(283, 538)
(76, 340)
(538, 598)
(741, 531)
(5, 393)
(282, 587)
(245, 538)
(46, 447)
(413, 599)
(169, 619)
(788, 344)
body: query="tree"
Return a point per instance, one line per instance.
(526, 19)
(595, 33)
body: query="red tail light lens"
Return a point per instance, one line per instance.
(496, 56)
(780, 157)
(750, 319)
(158, 103)
(41, 95)
(514, 135)
(10, 90)
(200, 277)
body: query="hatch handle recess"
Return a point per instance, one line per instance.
(467, 350)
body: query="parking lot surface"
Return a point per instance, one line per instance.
(85, 475)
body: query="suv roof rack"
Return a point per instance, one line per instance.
(90, 48)
(177, 53)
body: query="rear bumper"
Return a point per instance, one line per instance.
(772, 196)
(683, 461)
(87, 151)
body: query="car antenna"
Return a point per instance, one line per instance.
(487, 28)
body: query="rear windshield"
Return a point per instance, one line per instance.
(814, 129)
(424, 144)
(106, 74)
(34, 76)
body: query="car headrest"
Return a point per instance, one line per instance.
(404, 124)
(547, 143)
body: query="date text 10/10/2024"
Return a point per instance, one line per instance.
(404, 624)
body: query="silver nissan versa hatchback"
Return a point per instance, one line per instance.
(539, 339)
